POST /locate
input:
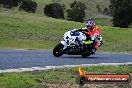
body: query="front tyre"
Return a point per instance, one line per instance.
(58, 50)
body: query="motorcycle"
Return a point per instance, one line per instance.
(74, 44)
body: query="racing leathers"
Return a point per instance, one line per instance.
(93, 35)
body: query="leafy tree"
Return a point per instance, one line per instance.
(28, 5)
(77, 11)
(121, 10)
(99, 9)
(54, 10)
(10, 3)
(106, 11)
(1, 2)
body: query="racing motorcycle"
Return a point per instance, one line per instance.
(73, 44)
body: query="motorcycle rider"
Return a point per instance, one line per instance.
(93, 34)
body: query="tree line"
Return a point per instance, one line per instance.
(121, 10)
(27, 5)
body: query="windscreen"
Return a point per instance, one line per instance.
(75, 33)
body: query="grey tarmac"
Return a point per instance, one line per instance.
(13, 59)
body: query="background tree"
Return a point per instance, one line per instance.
(1, 2)
(111, 7)
(54, 10)
(10, 3)
(106, 11)
(77, 11)
(121, 10)
(98, 8)
(28, 6)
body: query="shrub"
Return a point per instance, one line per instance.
(28, 6)
(9, 3)
(106, 11)
(77, 11)
(122, 12)
(1, 2)
(98, 8)
(54, 10)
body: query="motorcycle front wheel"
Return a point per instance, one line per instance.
(58, 50)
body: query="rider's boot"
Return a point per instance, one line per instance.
(94, 47)
(93, 50)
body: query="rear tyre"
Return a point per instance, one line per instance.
(58, 50)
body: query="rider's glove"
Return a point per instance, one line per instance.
(82, 29)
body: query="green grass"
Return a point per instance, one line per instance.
(43, 1)
(56, 76)
(108, 69)
(26, 44)
(27, 28)
(32, 31)
(117, 39)
(103, 21)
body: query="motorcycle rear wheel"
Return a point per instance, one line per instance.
(58, 50)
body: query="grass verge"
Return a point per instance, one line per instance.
(44, 79)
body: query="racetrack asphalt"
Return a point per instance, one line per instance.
(13, 59)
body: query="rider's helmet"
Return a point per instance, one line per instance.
(90, 24)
